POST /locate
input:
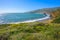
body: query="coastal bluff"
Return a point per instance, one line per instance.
(54, 12)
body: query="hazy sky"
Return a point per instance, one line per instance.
(26, 5)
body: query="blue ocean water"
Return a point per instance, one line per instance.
(19, 17)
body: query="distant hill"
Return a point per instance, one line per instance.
(54, 12)
(46, 10)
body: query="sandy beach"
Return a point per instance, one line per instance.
(41, 19)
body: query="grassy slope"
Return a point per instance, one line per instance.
(30, 31)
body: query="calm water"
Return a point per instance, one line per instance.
(19, 17)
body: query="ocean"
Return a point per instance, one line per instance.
(19, 17)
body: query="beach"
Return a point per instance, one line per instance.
(35, 20)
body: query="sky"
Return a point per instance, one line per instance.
(9, 6)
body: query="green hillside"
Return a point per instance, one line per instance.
(30, 31)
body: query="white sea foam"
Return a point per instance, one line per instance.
(47, 17)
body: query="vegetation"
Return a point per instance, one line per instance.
(56, 16)
(32, 31)
(56, 20)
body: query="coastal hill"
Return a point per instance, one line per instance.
(52, 11)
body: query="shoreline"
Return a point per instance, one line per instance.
(41, 19)
(35, 20)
